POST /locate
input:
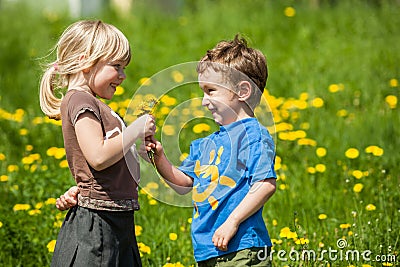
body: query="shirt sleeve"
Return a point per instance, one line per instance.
(81, 102)
(262, 164)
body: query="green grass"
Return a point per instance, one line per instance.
(351, 43)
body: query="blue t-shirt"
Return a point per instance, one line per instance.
(224, 165)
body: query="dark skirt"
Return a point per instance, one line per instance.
(97, 238)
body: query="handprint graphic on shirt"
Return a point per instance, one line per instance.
(210, 170)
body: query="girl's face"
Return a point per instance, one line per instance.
(219, 97)
(106, 77)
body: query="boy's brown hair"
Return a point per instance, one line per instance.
(236, 56)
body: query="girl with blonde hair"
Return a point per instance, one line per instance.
(100, 149)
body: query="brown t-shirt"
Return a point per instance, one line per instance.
(115, 184)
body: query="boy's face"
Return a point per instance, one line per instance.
(219, 97)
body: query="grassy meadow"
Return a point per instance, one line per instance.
(331, 104)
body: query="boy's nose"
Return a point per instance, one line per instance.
(205, 101)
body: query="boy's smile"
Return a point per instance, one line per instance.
(219, 98)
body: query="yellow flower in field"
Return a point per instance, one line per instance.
(370, 207)
(306, 142)
(63, 163)
(168, 130)
(345, 226)
(393, 83)
(2, 156)
(302, 241)
(138, 230)
(342, 113)
(177, 76)
(34, 212)
(18, 207)
(365, 265)
(152, 202)
(320, 167)
(387, 264)
(321, 152)
(311, 170)
(119, 90)
(152, 185)
(3, 178)
(374, 150)
(113, 105)
(39, 205)
(178, 264)
(12, 168)
(143, 248)
(165, 110)
(358, 187)
(50, 201)
(289, 12)
(352, 153)
(286, 232)
(27, 160)
(173, 236)
(201, 127)
(28, 147)
(317, 102)
(145, 81)
(334, 88)
(168, 101)
(322, 216)
(51, 245)
(282, 186)
(350, 233)
(357, 174)
(274, 222)
(23, 131)
(391, 100)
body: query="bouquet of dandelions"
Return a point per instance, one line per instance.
(148, 107)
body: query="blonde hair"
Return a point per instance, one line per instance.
(237, 61)
(80, 46)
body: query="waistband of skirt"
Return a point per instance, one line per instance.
(110, 205)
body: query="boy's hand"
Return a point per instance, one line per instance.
(224, 234)
(68, 199)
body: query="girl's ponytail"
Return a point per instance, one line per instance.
(49, 102)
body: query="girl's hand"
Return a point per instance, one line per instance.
(68, 199)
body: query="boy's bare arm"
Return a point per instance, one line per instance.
(258, 195)
(175, 178)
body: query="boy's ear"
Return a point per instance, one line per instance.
(244, 91)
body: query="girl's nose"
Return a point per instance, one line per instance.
(121, 74)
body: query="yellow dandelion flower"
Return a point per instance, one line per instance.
(387, 264)
(391, 100)
(12, 168)
(289, 12)
(143, 248)
(374, 150)
(302, 241)
(168, 101)
(51, 245)
(173, 236)
(345, 226)
(18, 207)
(57, 224)
(63, 163)
(1, 224)
(352, 153)
(168, 130)
(138, 230)
(274, 222)
(34, 212)
(306, 142)
(189, 220)
(311, 170)
(2, 156)
(342, 113)
(3, 178)
(393, 83)
(320, 167)
(370, 207)
(50, 201)
(113, 105)
(317, 102)
(152, 202)
(357, 188)
(145, 81)
(119, 90)
(177, 76)
(333, 88)
(321, 152)
(350, 233)
(28, 147)
(23, 131)
(27, 160)
(322, 216)
(282, 186)
(366, 265)
(201, 127)
(39, 205)
(357, 174)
